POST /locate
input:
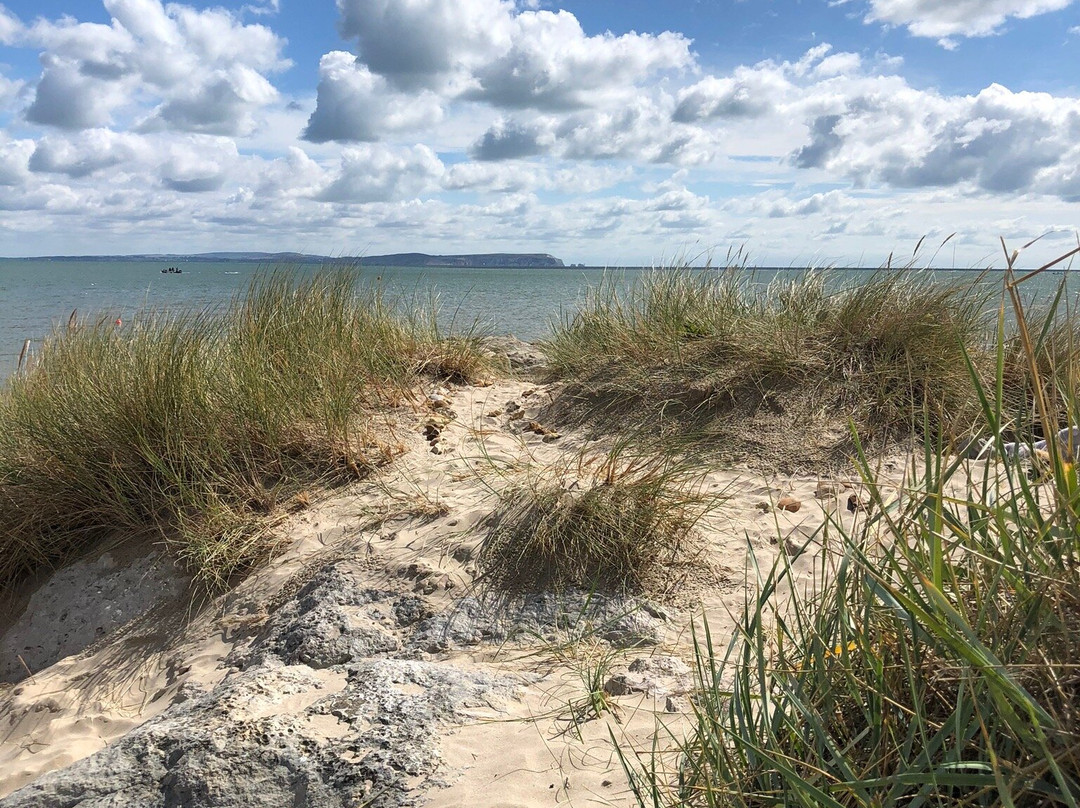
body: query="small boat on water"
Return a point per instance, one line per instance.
(172, 271)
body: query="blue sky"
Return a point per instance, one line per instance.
(610, 133)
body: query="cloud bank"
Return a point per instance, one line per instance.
(464, 125)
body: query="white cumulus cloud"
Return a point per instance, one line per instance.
(378, 173)
(968, 18)
(995, 141)
(445, 52)
(223, 103)
(203, 71)
(67, 98)
(425, 43)
(509, 140)
(552, 64)
(294, 175)
(198, 164)
(85, 153)
(9, 90)
(355, 104)
(14, 160)
(748, 93)
(10, 27)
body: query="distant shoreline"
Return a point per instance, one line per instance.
(464, 261)
(532, 261)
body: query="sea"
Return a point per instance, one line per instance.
(37, 295)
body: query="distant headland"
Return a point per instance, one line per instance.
(523, 260)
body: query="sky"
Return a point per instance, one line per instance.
(610, 133)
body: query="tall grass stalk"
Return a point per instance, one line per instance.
(190, 428)
(939, 661)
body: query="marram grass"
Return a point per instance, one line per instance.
(618, 521)
(712, 356)
(194, 428)
(938, 662)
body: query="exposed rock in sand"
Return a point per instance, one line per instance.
(659, 677)
(830, 489)
(329, 704)
(278, 735)
(321, 715)
(624, 622)
(856, 503)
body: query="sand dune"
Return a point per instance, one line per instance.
(394, 561)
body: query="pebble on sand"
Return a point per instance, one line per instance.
(788, 504)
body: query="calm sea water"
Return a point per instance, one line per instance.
(37, 295)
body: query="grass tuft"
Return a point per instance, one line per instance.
(619, 523)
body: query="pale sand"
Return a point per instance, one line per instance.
(514, 753)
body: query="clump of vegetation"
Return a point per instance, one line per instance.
(192, 427)
(618, 524)
(936, 663)
(711, 354)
